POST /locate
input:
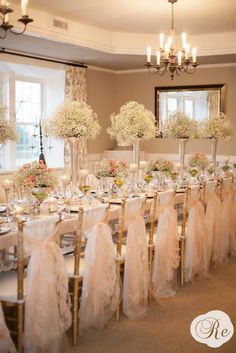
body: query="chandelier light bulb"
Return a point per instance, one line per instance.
(158, 57)
(194, 54)
(149, 54)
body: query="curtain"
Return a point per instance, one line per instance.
(76, 89)
(213, 102)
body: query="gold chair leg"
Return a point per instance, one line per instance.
(20, 324)
(119, 302)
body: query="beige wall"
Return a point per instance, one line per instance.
(101, 97)
(107, 92)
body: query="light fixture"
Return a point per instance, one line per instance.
(5, 10)
(168, 58)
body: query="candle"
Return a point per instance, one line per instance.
(24, 5)
(64, 179)
(149, 53)
(161, 40)
(142, 164)
(184, 38)
(187, 48)
(158, 57)
(194, 54)
(226, 159)
(179, 58)
(178, 166)
(18, 210)
(6, 18)
(133, 167)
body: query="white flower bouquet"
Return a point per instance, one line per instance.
(179, 126)
(7, 131)
(111, 168)
(74, 119)
(198, 160)
(217, 126)
(133, 121)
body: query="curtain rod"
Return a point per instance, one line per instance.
(25, 55)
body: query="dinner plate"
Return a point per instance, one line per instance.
(4, 230)
(3, 208)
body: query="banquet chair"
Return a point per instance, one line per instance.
(233, 218)
(166, 251)
(195, 245)
(135, 279)
(43, 294)
(227, 231)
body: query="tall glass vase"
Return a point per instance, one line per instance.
(74, 159)
(214, 143)
(136, 158)
(182, 151)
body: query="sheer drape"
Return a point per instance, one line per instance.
(101, 288)
(47, 311)
(166, 257)
(233, 220)
(76, 89)
(195, 259)
(6, 344)
(135, 285)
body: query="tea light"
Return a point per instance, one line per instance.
(142, 164)
(133, 167)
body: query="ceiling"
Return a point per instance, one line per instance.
(146, 16)
(129, 16)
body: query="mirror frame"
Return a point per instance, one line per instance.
(221, 87)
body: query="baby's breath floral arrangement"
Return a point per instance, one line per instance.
(7, 131)
(133, 121)
(217, 126)
(198, 160)
(74, 119)
(35, 175)
(111, 168)
(178, 126)
(161, 165)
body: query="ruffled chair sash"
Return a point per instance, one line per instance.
(6, 343)
(195, 259)
(166, 257)
(135, 285)
(47, 311)
(101, 290)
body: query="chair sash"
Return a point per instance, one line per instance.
(47, 311)
(166, 257)
(6, 343)
(213, 225)
(195, 257)
(226, 216)
(135, 286)
(101, 290)
(233, 220)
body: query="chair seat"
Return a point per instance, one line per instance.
(70, 261)
(8, 286)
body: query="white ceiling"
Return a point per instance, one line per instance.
(146, 16)
(201, 19)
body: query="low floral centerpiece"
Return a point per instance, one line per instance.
(198, 160)
(37, 178)
(111, 168)
(7, 130)
(159, 165)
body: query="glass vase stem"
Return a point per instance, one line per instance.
(214, 143)
(73, 144)
(136, 158)
(182, 150)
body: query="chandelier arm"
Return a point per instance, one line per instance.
(4, 35)
(190, 70)
(17, 32)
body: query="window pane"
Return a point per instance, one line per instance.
(28, 101)
(26, 145)
(172, 105)
(188, 108)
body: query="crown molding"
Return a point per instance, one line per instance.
(83, 35)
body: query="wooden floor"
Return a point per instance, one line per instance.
(168, 330)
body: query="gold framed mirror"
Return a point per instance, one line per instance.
(198, 102)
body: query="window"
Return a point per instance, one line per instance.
(189, 108)
(28, 108)
(172, 105)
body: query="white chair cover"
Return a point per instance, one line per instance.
(47, 311)
(212, 217)
(166, 257)
(135, 289)
(195, 258)
(101, 289)
(6, 344)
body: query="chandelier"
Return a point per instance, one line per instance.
(5, 10)
(168, 58)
